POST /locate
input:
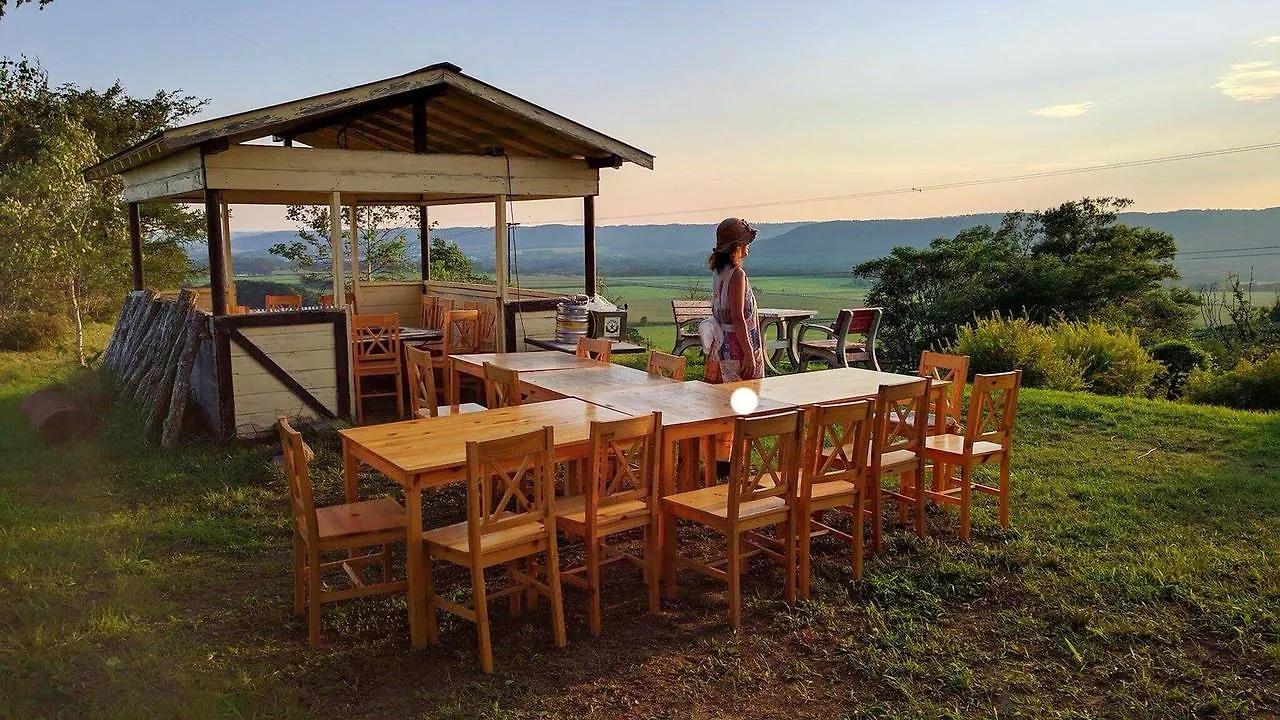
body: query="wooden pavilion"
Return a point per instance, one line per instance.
(431, 137)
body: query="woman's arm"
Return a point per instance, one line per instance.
(738, 316)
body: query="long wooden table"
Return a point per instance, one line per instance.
(810, 388)
(536, 361)
(430, 452)
(588, 384)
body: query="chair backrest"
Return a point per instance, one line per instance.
(351, 302)
(467, 305)
(901, 417)
(953, 368)
(297, 464)
(594, 348)
(422, 382)
(461, 332)
(376, 338)
(510, 482)
(858, 321)
(429, 318)
(992, 407)
(665, 365)
(501, 386)
(756, 471)
(283, 302)
(488, 320)
(443, 306)
(623, 460)
(689, 311)
(237, 309)
(846, 428)
(326, 300)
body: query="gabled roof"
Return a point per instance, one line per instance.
(464, 116)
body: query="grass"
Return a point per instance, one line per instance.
(1141, 579)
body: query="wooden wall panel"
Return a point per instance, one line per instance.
(306, 352)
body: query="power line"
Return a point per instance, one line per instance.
(253, 42)
(1227, 250)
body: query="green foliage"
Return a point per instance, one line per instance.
(27, 330)
(1111, 360)
(450, 264)
(1234, 328)
(1074, 261)
(1000, 344)
(1179, 358)
(253, 292)
(4, 4)
(1247, 386)
(383, 242)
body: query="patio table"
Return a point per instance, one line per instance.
(430, 452)
(587, 383)
(620, 347)
(786, 334)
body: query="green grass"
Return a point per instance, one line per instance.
(1141, 579)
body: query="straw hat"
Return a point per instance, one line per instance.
(733, 232)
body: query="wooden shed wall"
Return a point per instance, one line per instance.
(306, 352)
(404, 298)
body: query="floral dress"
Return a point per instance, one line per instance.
(733, 350)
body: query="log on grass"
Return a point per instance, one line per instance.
(56, 415)
(172, 425)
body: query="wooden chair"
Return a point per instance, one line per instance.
(488, 330)
(237, 309)
(424, 400)
(375, 346)
(836, 350)
(687, 315)
(761, 492)
(349, 527)
(621, 495)
(429, 317)
(988, 436)
(663, 365)
(511, 516)
(501, 386)
(954, 369)
(897, 452)
(594, 349)
(836, 479)
(351, 302)
(326, 300)
(283, 302)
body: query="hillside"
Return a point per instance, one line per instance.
(834, 246)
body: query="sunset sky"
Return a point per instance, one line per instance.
(760, 101)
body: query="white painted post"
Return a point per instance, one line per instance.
(335, 249)
(500, 266)
(353, 213)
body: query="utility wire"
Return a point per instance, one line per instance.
(253, 42)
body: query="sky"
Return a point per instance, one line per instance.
(751, 105)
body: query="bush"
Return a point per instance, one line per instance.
(1249, 386)
(1112, 360)
(1179, 358)
(26, 331)
(999, 344)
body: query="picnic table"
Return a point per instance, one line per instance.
(523, 362)
(588, 383)
(786, 334)
(430, 452)
(620, 347)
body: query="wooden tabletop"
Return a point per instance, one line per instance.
(808, 388)
(408, 333)
(619, 347)
(783, 313)
(522, 361)
(683, 403)
(439, 445)
(590, 383)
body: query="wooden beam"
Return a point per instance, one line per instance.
(230, 271)
(424, 241)
(135, 244)
(217, 266)
(353, 215)
(366, 109)
(500, 259)
(180, 173)
(420, 146)
(262, 168)
(335, 248)
(589, 242)
(419, 125)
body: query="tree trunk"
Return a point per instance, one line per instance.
(79, 322)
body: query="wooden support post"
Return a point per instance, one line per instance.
(353, 222)
(424, 241)
(135, 244)
(500, 260)
(217, 251)
(424, 224)
(589, 242)
(335, 248)
(232, 301)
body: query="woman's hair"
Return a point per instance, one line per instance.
(719, 260)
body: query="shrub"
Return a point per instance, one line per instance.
(1112, 360)
(27, 330)
(1179, 358)
(999, 344)
(1248, 386)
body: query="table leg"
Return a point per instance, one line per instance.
(793, 340)
(414, 560)
(773, 348)
(350, 471)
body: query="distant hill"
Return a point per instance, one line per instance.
(831, 247)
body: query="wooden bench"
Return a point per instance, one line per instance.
(687, 314)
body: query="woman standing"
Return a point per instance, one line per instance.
(733, 305)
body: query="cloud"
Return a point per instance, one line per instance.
(1064, 111)
(1273, 40)
(1251, 81)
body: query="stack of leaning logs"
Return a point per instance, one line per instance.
(152, 349)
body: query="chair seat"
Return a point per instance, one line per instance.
(830, 346)
(377, 367)
(890, 460)
(454, 537)
(572, 511)
(953, 445)
(360, 518)
(831, 489)
(446, 410)
(714, 502)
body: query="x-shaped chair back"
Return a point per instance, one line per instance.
(766, 458)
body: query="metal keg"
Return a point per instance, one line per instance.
(571, 320)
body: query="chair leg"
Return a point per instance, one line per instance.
(918, 478)
(482, 618)
(557, 595)
(966, 495)
(789, 533)
(513, 600)
(433, 630)
(1004, 489)
(802, 537)
(859, 522)
(359, 401)
(593, 585)
(652, 563)
(877, 508)
(902, 505)
(314, 589)
(399, 396)
(299, 575)
(734, 569)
